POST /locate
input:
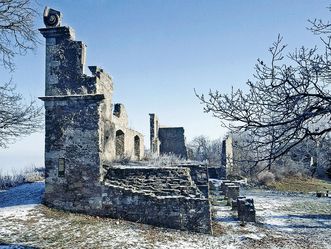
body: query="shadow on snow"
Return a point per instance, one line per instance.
(25, 194)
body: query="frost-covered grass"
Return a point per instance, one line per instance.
(28, 175)
(153, 160)
(284, 221)
(165, 160)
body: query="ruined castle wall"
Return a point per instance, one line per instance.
(81, 135)
(131, 141)
(229, 154)
(172, 212)
(165, 197)
(65, 60)
(72, 152)
(172, 140)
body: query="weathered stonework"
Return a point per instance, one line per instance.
(84, 133)
(199, 174)
(166, 140)
(227, 158)
(246, 210)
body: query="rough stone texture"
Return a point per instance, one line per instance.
(166, 140)
(234, 203)
(199, 174)
(65, 79)
(159, 196)
(246, 210)
(83, 133)
(227, 187)
(227, 159)
(165, 197)
(167, 211)
(154, 181)
(216, 172)
(232, 193)
(223, 184)
(154, 134)
(172, 141)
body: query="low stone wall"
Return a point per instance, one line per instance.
(166, 197)
(175, 212)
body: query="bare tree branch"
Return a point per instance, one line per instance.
(17, 36)
(17, 32)
(286, 103)
(17, 119)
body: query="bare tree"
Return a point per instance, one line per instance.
(202, 148)
(288, 102)
(17, 33)
(16, 118)
(17, 36)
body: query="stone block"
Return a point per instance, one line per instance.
(234, 203)
(226, 187)
(222, 188)
(246, 210)
(232, 193)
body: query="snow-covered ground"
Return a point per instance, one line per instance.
(284, 221)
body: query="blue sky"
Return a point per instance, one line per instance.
(159, 51)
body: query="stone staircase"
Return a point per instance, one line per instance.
(154, 181)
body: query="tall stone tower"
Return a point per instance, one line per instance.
(78, 115)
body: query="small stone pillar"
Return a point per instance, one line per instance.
(226, 188)
(232, 194)
(222, 189)
(246, 210)
(154, 134)
(234, 203)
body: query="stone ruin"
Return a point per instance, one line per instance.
(231, 192)
(227, 157)
(84, 133)
(166, 140)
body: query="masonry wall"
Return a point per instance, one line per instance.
(165, 197)
(229, 156)
(72, 125)
(172, 212)
(172, 140)
(132, 149)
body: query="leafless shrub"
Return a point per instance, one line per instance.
(164, 160)
(201, 149)
(16, 178)
(266, 178)
(123, 159)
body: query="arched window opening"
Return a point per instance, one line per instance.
(137, 147)
(119, 143)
